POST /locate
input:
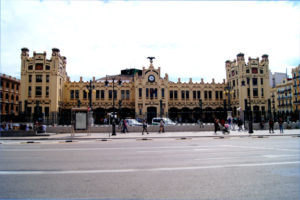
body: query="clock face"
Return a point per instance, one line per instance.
(151, 78)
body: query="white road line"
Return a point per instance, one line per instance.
(263, 148)
(279, 156)
(40, 172)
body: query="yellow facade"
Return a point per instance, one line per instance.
(296, 88)
(142, 93)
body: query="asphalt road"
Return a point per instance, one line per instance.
(202, 168)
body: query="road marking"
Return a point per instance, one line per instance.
(266, 148)
(49, 172)
(278, 156)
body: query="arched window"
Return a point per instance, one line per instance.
(12, 97)
(6, 96)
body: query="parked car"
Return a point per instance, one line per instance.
(167, 121)
(133, 122)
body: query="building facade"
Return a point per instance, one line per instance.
(9, 97)
(296, 89)
(48, 93)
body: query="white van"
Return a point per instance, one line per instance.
(167, 121)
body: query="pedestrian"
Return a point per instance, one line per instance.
(145, 127)
(261, 124)
(280, 122)
(229, 120)
(125, 129)
(216, 124)
(271, 125)
(161, 126)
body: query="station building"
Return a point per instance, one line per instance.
(48, 92)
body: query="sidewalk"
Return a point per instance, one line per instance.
(152, 135)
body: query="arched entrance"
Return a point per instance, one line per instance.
(151, 113)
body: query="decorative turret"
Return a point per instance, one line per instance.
(55, 51)
(25, 52)
(265, 57)
(240, 57)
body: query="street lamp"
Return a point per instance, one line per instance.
(273, 102)
(250, 110)
(90, 89)
(228, 92)
(113, 97)
(120, 106)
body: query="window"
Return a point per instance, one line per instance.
(261, 71)
(162, 93)
(39, 66)
(182, 94)
(233, 83)
(147, 92)
(30, 67)
(84, 94)
(0, 95)
(209, 94)
(123, 94)
(261, 81)
(29, 78)
(47, 67)
(254, 81)
(77, 94)
(110, 94)
(205, 94)
(102, 94)
(17, 87)
(115, 94)
(151, 93)
(12, 86)
(17, 98)
(248, 92)
(47, 111)
(47, 78)
(175, 94)
(248, 81)
(6, 96)
(140, 92)
(12, 97)
(194, 95)
(127, 94)
(47, 91)
(71, 94)
(7, 84)
(29, 91)
(199, 94)
(255, 92)
(38, 91)
(262, 92)
(221, 95)
(97, 94)
(38, 78)
(187, 94)
(171, 94)
(247, 71)
(217, 94)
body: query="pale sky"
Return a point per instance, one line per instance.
(190, 39)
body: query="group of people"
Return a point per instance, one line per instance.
(271, 125)
(226, 126)
(124, 126)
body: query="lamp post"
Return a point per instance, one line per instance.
(120, 106)
(113, 98)
(250, 110)
(228, 92)
(273, 102)
(90, 87)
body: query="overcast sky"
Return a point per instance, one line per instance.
(190, 39)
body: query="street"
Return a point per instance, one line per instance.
(198, 168)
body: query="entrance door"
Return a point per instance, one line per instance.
(151, 113)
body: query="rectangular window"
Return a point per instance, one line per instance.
(254, 70)
(29, 78)
(47, 78)
(12, 86)
(47, 67)
(194, 95)
(199, 94)
(38, 91)
(151, 93)
(122, 94)
(262, 92)
(84, 94)
(97, 94)
(233, 83)
(205, 94)
(47, 111)
(255, 92)
(209, 94)
(71, 94)
(248, 81)
(140, 92)
(127, 94)
(171, 94)
(39, 78)
(182, 94)
(261, 71)
(187, 94)
(147, 92)
(102, 94)
(162, 93)
(217, 94)
(110, 94)
(30, 67)
(47, 91)
(77, 94)
(29, 91)
(254, 81)
(175, 94)
(115, 94)
(221, 95)
(261, 81)
(248, 92)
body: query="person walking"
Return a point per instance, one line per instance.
(145, 127)
(280, 122)
(216, 124)
(240, 124)
(161, 126)
(271, 125)
(125, 129)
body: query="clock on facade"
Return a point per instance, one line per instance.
(151, 78)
